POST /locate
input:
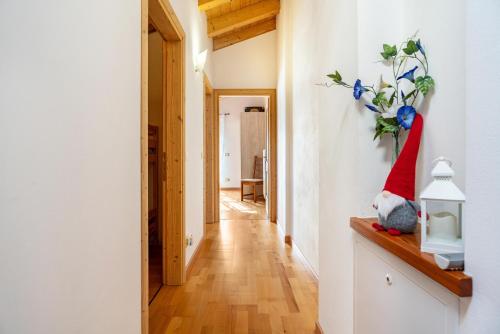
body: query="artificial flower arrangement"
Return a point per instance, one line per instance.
(395, 103)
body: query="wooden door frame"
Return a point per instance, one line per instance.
(210, 119)
(163, 17)
(272, 121)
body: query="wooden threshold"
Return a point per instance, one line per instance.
(407, 248)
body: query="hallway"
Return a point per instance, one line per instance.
(244, 280)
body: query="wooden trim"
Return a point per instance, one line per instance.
(174, 247)
(163, 18)
(215, 107)
(257, 12)
(205, 5)
(243, 34)
(210, 119)
(230, 188)
(288, 240)
(144, 169)
(407, 248)
(207, 85)
(273, 140)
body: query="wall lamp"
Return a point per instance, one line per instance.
(201, 60)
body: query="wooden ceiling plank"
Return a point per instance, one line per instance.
(247, 15)
(243, 34)
(205, 5)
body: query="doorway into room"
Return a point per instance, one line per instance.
(155, 157)
(245, 154)
(162, 152)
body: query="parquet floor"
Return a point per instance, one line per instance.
(244, 280)
(231, 206)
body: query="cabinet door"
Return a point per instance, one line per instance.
(388, 301)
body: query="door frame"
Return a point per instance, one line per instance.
(161, 14)
(210, 161)
(272, 121)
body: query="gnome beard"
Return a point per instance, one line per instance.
(396, 214)
(386, 202)
(397, 210)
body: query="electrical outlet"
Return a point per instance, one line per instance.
(189, 239)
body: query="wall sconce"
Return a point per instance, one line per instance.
(201, 60)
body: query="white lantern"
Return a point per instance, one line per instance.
(441, 207)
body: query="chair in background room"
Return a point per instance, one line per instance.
(255, 181)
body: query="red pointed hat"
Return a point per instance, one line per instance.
(401, 179)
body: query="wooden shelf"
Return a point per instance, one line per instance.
(407, 248)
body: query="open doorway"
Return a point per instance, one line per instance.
(155, 157)
(162, 151)
(246, 153)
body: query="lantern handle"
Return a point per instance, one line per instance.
(435, 161)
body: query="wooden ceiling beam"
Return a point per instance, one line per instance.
(243, 34)
(247, 15)
(205, 5)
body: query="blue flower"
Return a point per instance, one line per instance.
(410, 75)
(372, 108)
(420, 48)
(358, 89)
(406, 115)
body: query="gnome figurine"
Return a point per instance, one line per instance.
(397, 210)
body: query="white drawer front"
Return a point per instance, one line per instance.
(390, 299)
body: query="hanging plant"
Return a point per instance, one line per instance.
(395, 103)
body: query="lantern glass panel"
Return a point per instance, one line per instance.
(444, 222)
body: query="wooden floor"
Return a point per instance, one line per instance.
(231, 206)
(244, 280)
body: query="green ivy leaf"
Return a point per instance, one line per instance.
(391, 100)
(424, 84)
(389, 51)
(380, 99)
(336, 77)
(385, 126)
(411, 48)
(410, 94)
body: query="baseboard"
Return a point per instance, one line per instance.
(302, 257)
(280, 230)
(193, 258)
(318, 329)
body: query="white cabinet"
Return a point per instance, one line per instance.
(391, 297)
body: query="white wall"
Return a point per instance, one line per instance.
(194, 24)
(305, 133)
(70, 101)
(230, 166)
(248, 64)
(334, 134)
(481, 313)
(70, 167)
(284, 110)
